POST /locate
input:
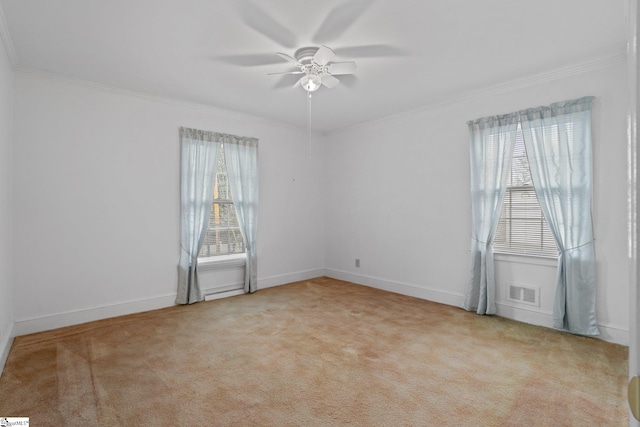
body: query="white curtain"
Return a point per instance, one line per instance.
(199, 156)
(241, 155)
(491, 145)
(558, 143)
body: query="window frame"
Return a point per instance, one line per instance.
(218, 262)
(509, 252)
(223, 260)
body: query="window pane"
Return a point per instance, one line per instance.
(214, 219)
(233, 219)
(522, 227)
(221, 192)
(223, 214)
(520, 172)
(223, 234)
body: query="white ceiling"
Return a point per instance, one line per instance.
(410, 53)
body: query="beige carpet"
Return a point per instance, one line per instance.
(315, 353)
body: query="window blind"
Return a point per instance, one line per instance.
(522, 228)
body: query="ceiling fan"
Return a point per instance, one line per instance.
(315, 63)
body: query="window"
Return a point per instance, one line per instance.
(223, 236)
(522, 228)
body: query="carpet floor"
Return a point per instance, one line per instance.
(321, 352)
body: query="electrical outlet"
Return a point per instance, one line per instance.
(357, 263)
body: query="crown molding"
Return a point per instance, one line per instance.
(5, 36)
(500, 88)
(464, 96)
(204, 108)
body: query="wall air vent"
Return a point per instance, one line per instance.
(523, 294)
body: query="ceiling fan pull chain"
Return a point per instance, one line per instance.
(309, 126)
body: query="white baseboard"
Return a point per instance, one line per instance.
(283, 279)
(5, 347)
(614, 334)
(524, 314)
(608, 333)
(411, 290)
(76, 317)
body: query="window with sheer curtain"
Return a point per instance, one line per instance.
(522, 228)
(223, 235)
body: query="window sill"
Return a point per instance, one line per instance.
(222, 261)
(526, 259)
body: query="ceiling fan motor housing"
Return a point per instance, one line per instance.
(304, 55)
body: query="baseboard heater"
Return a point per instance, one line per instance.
(223, 294)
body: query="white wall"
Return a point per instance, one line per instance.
(6, 283)
(96, 208)
(95, 212)
(397, 192)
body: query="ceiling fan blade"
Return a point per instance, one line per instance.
(329, 81)
(369, 51)
(337, 68)
(339, 20)
(349, 80)
(288, 58)
(323, 55)
(251, 60)
(286, 72)
(265, 24)
(285, 81)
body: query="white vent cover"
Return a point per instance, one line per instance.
(524, 294)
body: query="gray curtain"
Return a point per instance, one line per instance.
(241, 155)
(558, 143)
(491, 145)
(199, 156)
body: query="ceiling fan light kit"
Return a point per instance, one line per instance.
(311, 81)
(315, 63)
